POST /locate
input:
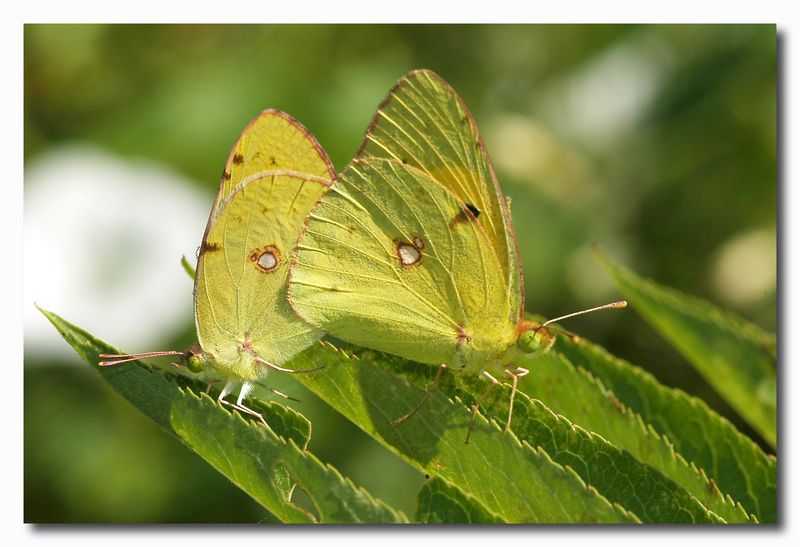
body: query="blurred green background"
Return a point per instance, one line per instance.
(656, 142)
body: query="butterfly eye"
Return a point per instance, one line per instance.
(194, 364)
(537, 340)
(266, 259)
(529, 341)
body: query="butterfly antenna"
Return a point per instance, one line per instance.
(612, 305)
(126, 358)
(281, 369)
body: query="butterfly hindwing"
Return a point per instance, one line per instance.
(392, 260)
(425, 124)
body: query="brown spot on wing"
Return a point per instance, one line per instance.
(238, 159)
(226, 176)
(209, 247)
(273, 161)
(469, 213)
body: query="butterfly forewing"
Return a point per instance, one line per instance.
(425, 124)
(388, 261)
(273, 141)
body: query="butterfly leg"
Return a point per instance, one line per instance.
(478, 403)
(427, 395)
(246, 387)
(225, 390)
(515, 376)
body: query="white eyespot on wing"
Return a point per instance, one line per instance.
(408, 254)
(266, 259)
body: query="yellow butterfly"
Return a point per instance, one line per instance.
(245, 327)
(412, 251)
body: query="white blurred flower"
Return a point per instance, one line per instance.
(745, 267)
(103, 240)
(602, 100)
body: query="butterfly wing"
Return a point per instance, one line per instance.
(425, 124)
(272, 141)
(387, 261)
(240, 285)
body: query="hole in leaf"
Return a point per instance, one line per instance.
(304, 501)
(295, 495)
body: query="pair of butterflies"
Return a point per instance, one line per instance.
(410, 250)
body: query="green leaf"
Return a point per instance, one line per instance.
(188, 268)
(736, 357)
(574, 393)
(512, 479)
(269, 463)
(442, 503)
(614, 472)
(738, 465)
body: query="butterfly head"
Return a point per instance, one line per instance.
(195, 361)
(534, 339)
